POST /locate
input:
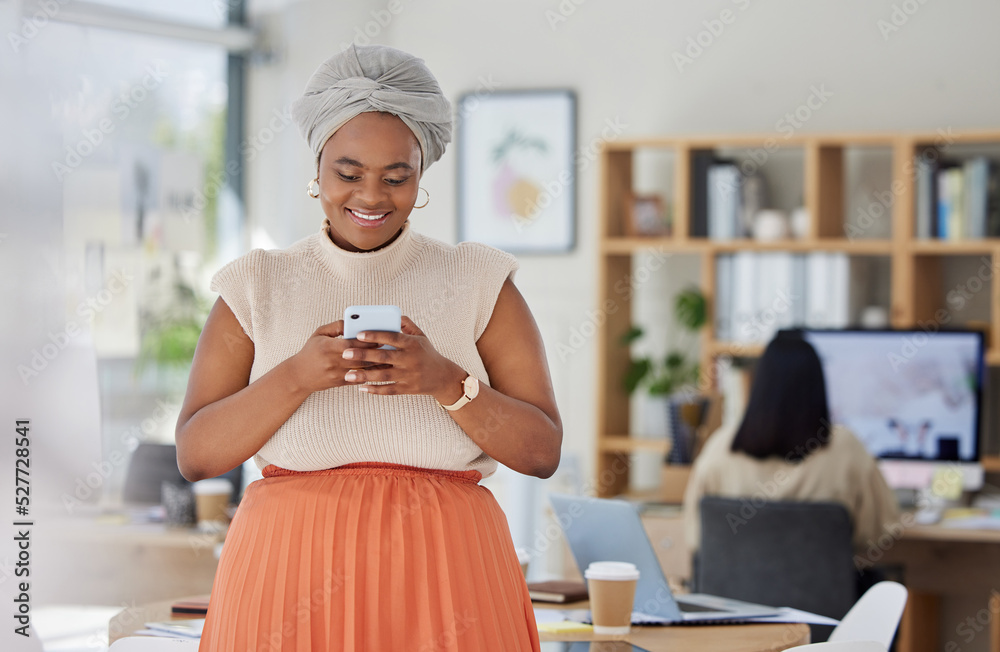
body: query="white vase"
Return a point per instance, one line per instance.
(769, 225)
(799, 223)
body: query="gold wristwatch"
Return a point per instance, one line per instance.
(470, 390)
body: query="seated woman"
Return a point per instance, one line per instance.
(786, 449)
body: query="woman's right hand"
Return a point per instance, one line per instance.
(320, 364)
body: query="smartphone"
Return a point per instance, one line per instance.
(372, 318)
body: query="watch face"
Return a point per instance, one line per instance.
(471, 386)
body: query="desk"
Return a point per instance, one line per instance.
(82, 560)
(941, 566)
(732, 638)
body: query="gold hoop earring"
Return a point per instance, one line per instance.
(309, 188)
(425, 202)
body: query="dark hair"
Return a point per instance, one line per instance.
(787, 414)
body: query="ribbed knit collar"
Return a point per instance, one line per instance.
(379, 266)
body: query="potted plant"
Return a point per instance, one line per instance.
(169, 338)
(672, 381)
(676, 372)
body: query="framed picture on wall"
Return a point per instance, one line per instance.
(516, 170)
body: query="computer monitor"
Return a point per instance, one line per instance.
(912, 397)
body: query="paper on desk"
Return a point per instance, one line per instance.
(789, 615)
(543, 616)
(186, 627)
(784, 615)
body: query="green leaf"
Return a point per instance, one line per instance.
(631, 335)
(691, 309)
(637, 370)
(674, 360)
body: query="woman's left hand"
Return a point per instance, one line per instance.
(415, 367)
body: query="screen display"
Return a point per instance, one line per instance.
(905, 394)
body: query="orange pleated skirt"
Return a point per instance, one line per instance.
(369, 557)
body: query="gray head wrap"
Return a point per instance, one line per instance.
(374, 78)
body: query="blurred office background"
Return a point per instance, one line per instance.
(145, 144)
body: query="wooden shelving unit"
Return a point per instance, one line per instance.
(916, 285)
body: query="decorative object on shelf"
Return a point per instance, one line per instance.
(874, 317)
(685, 414)
(798, 223)
(769, 225)
(753, 198)
(516, 170)
(646, 215)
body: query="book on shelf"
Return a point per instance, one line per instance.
(960, 200)
(926, 198)
(993, 201)
(557, 591)
(701, 161)
(760, 293)
(976, 173)
(724, 210)
(723, 296)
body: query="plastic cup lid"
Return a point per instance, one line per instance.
(611, 570)
(213, 486)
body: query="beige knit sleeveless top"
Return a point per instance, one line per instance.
(280, 297)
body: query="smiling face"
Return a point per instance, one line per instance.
(368, 177)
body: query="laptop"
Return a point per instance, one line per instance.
(599, 529)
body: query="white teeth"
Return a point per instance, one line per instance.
(370, 218)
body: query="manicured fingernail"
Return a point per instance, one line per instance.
(348, 354)
(363, 388)
(351, 377)
(362, 336)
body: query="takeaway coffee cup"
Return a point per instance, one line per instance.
(211, 497)
(611, 585)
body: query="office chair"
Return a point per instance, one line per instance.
(153, 464)
(875, 617)
(783, 553)
(149, 467)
